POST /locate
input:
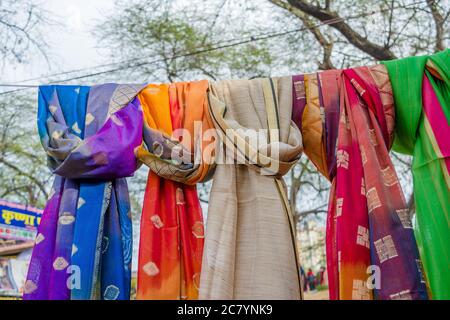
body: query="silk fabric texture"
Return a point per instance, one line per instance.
(421, 87)
(347, 121)
(84, 243)
(172, 231)
(250, 249)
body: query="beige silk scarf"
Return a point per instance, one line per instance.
(250, 247)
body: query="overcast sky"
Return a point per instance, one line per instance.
(71, 43)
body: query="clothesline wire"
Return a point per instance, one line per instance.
(176, 56)
(211, 47)
(142, 58)
(220, 42)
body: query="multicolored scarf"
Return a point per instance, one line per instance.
(171, 246)
(369, 235)
(421, 87)
(83, 248)
(84, 243)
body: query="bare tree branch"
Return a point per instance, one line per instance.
(439, 24)
(323, 14)
(327, 45)
(25, 174)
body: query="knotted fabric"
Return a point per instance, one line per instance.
(421, 88)
(369, 232)
(84, 243)
(250, 248)
(172, 233)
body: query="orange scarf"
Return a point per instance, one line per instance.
(171, 248)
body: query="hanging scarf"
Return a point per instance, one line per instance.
(421, 88)
(250, 247)
(172, 232)
(368, 223)
(84, 242)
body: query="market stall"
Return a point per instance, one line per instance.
(18, 227)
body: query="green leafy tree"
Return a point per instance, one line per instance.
(161, 37)
(23, 173)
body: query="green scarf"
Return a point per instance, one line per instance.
(421, 87)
